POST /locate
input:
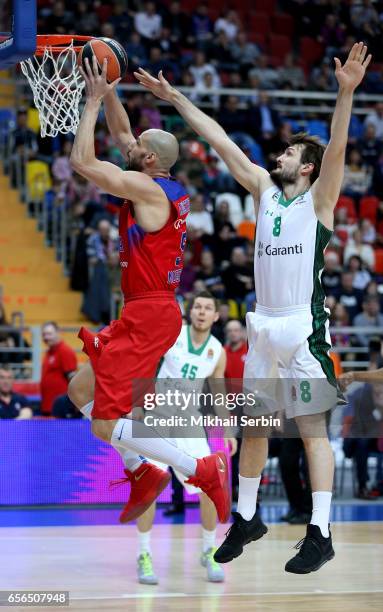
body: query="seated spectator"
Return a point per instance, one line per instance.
(355, 246)
(11, 338)
(209, 273)
(347, 295)
(238, 277)
(200, 67)
(264, 120)
(370, 317)
(233, 119)
(369, 146)
(266, 75)
(157, 61)
(367, 231)
(82, 191)
(177, 22)
(275, 146)
(148, 22)
(224, 242)
(331, 273)
(103, 258)
(361, 275)
(63, 408)
(332, 34)
(12, 405)
(61, 168)
(122, 21)
(202, 91)
(86, 19)
(357, 176)
(220, 53)
(222, 216)
(150, 110)
(373, 289)
(59, 20)
(218, 329)
(244, 52)
(375, 118)
(199, 218)
(170, 50)
(365, 411)
(291, 74)
(59, 366)
(377, 178)
(322, 77)
(339, 318)
(217, 177)
(229, 23)
(365, 20)
(188, 276)
(23, 146)
(136, 51)
(201, 26)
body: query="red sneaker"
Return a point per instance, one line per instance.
(212, 476)
(146, 483)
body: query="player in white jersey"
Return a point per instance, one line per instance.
(288, 336)
(196, 356)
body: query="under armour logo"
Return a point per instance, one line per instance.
(260, 249)
(96, 342)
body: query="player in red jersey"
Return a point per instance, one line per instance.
(152, 240)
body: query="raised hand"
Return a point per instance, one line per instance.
(97, 87)
(352, 72)
(159, 87)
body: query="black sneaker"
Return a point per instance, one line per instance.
(314, 551)
(240, 533)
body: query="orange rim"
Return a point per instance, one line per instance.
(58, 42)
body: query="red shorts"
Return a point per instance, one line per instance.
(128, 351)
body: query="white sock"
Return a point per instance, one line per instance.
(247, 496)
(208, 539)
(153, 447)
(321, 511)
(87, 410)
(131, 460)
(144, 542)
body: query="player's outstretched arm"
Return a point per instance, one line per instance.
(136, 186)
(368, 376)
(118, 122)
(326, 188)
(244, 171)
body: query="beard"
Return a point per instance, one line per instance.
(284, 177)
(134, 163)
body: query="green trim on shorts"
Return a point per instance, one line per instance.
(318, 344)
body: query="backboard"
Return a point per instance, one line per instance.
(17, 31)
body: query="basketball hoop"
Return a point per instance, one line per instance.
(56, 82)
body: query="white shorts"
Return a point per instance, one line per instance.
(288, 365)
(195, 447)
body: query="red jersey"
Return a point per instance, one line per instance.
(235, 361)
(153, 261)
(59, 360)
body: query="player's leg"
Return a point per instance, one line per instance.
(247, 525)
(317, 547)
(145, 572)
(209, 528)
(81, 393)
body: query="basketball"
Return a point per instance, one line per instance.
(106, 48)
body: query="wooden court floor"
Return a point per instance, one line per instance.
(97, 565)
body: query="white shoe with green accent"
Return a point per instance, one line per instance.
(145, 571)
(214, 570)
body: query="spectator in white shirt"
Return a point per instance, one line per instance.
(230, 24)
(148, 23)
(356, 247)
(375, 118)
(199, 218)
(200, 67)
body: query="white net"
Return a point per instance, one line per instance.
(57, 87)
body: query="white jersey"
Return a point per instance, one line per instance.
(288, 259)
(183, 361)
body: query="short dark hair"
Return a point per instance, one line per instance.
(204, 294)
(312, 152)
(53, 323)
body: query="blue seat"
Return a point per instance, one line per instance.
(319, 128)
